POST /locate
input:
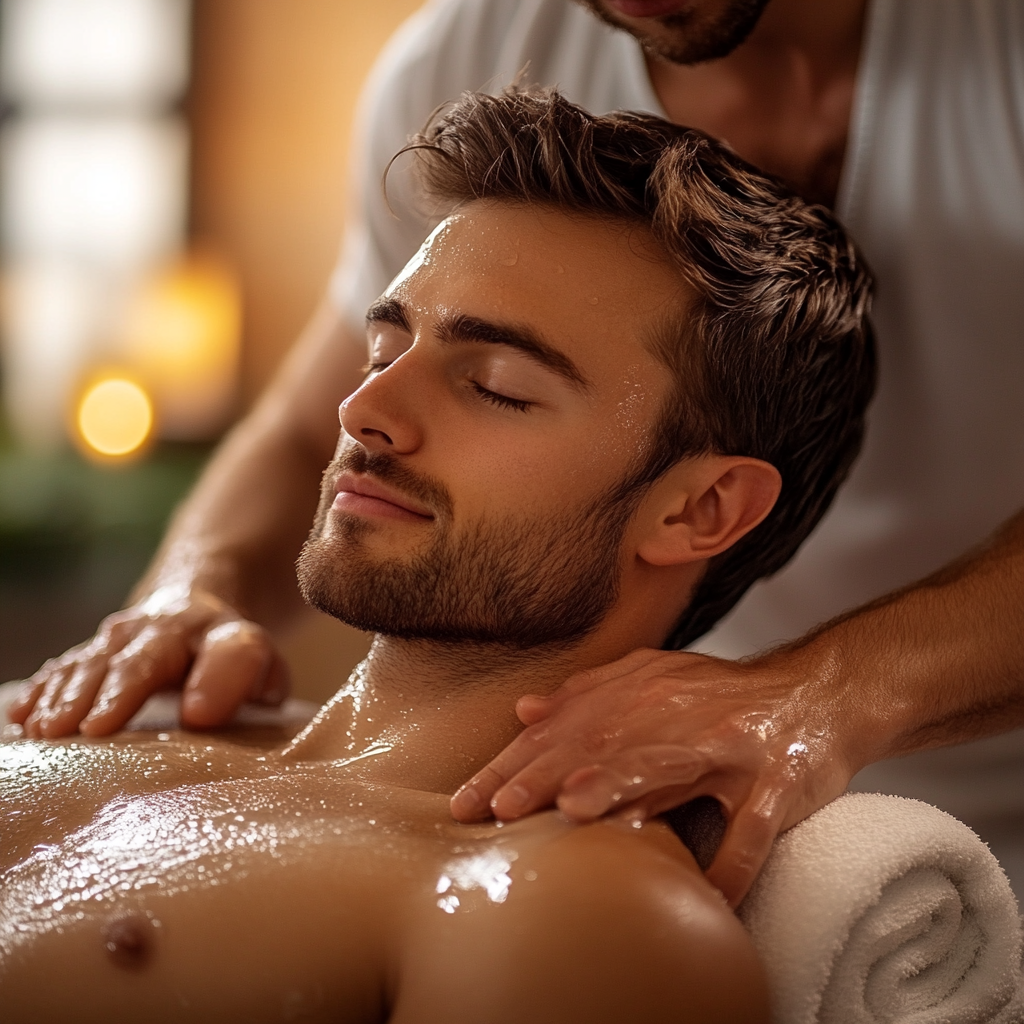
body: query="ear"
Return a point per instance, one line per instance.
(703, 506)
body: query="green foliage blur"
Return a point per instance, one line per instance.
(54, 508)
(74, 538)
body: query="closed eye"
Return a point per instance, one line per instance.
(502, 401)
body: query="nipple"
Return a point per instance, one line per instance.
(129, 940)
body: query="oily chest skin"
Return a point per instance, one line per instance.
(284, 892)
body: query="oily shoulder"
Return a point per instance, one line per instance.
(50, 788)
(593, 923)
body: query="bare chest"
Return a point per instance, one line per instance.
(242, 899)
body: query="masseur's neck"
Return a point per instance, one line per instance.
(782, 99)
(821, 34)
(429, 715)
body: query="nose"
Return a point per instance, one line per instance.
(380, 415)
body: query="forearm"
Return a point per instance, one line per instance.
(239, 533)
(938, 663)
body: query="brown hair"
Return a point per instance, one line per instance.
(774, 360)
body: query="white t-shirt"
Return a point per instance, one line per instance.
(933, 191)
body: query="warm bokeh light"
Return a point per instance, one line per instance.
(108, 190)
(115, 417)
(86, 53)
(181, 333)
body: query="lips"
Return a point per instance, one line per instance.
(363, 495)
(648, 8)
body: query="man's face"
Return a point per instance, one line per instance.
(477, 490)
(682, 31)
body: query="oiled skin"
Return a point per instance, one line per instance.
(252, 888)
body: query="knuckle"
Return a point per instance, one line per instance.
(583, 677)
(117, 632)
(119, 620)
(491, 778)
(43, 673)
(137, 657)
(240, 633)
(656, 693)
(762, 812)
(595, 742)
(535, 735)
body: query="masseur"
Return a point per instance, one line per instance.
(905, 116)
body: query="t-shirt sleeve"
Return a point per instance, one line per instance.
(444, 49)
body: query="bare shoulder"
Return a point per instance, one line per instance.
(49, 788)
(596, 923)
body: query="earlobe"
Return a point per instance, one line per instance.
(703, 506)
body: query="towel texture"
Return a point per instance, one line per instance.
(882, 909)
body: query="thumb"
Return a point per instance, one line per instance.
(747, 843)
(233, 661)
(275, 684)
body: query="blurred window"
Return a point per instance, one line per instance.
(93, 175)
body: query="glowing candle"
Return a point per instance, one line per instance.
(115, 417)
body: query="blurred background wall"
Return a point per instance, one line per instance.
(172, 192)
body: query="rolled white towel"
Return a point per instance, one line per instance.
(882, 909)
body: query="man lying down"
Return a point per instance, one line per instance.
(621, 381)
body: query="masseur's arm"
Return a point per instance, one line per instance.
(776, 737)
(224, 579)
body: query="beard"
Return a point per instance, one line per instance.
(506, 581)
(688, 38)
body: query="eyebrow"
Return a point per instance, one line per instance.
(459, 328)
(388, 311)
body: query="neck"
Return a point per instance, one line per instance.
(427, 715)
(819, 36)
(797, 45)
(782, 99)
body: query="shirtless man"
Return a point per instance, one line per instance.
(905, 116)
(622, 380)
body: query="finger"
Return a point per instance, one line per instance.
(25, 700)
(75, 700)
(473, 801)
(747, 843)
(654, 804)
(532, 789)
(590, 792)
(157, 657)
(547, 756)
(233, 662)
(50, 668)
(583, 682)
(532, 708)
(52, 687)
(275, 684)
(624, 778)
(538, 784)
(39, 694)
